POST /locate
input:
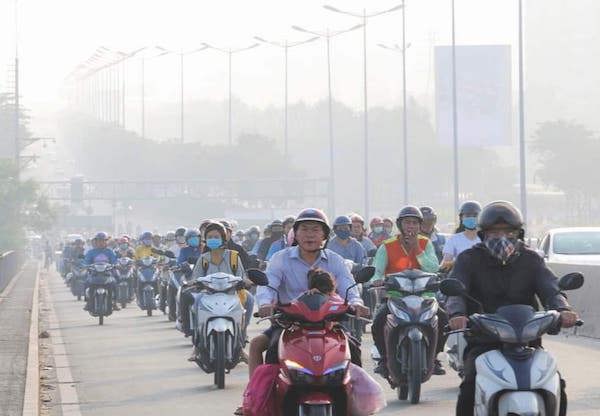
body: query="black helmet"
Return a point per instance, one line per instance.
(290, 219)
(500, 212)
(315, 215)
(180, 232)
(409, 211)
(101, 235)
(470, 208)
(428, 213)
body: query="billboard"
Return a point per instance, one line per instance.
(483, 95)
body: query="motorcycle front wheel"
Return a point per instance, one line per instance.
(415, 371)
(220, 360)
(315, 410)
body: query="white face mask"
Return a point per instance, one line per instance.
(378, 229)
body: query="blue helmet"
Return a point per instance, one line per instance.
(145, 235)
(342, 220)
(192, 233)
(101, 236)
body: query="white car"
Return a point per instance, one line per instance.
(577, 245)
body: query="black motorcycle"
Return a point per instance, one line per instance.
(100, 292)
(124, 276)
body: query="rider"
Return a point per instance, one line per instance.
(429, 230)
(192, 248)
(408, 250)
(465, 235)
(145, 248)
(388, 226)
(287, 272)
(378, 234)
(179, 241)
(360, 233)
(276, 231)
(345, 245)
(498, 272)
(232, 245)
(124, 249)
(252, 236)
(281, 243)
(216, 259)
(100, 254)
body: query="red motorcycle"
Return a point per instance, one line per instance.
(314, 354)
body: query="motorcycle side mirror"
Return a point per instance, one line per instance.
(433, 285)
(452, 287)
(192, 260)
(258, 277)
(571, 281)
(170, 254)
(365, 274)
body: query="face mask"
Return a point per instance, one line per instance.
(194, 241)
(123, 247)
(470, 223)
(502, 248)
(378, 229)
(343, 234)
(388, 229)
(214, 243)
(253, 237)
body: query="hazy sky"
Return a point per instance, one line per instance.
(56, 35)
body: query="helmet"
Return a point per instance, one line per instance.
(314, 215)
(145, 235)
(170, 236)
(409, 211)
(276, 223)
(122, 240)
(470, 208)
(180, 231)
(342, 220)
(253, 229)
(500, 212)
(290, 219)
(227, 225)
(213, 225)
(101, 236)
(240, 233)
(79, 241)
(376, 221)
(357, 218)
(191, 233)
(388, 220)
(428, 213)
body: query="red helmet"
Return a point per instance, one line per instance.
(376, 221)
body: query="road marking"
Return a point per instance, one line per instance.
(4, 294)
(69, 399)
(31, 398)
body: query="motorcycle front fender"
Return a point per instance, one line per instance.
(414, 334)
(219, 325)
(521, 403)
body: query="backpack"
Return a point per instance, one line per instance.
(233, 262)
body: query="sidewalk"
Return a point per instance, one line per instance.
(15, 318)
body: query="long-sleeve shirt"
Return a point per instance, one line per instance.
(288, 273)
(353, 250)
(100, 255)
(224, 266)
(427, 260)
(142, 251)
(186, 252)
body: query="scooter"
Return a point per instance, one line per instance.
(124, 277)
(99, 290)
(179, 274)
(314, 353)
(147, 284)
(516, 379)
(411, 331)
(217, 319)
(76, 280)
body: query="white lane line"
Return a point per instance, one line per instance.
(31, 398)
(69, 399)
(4, 294)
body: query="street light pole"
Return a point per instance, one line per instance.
(522, 149)
(285, 46)
(364, 16)
(229, 52)
(181, 116)
(327, 35)
(143, 98)
(454, 116)
(17, 103)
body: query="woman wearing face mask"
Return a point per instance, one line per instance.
(217, 259)
(378, 234)
(192, 248)
(465, 235)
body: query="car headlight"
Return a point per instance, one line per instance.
(399, 312)
(299, 374)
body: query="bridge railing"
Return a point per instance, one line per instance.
(10, 262)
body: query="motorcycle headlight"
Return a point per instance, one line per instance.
(427, 315)
(399, 312)
(535, 328)
(299, 374)
(335, 375)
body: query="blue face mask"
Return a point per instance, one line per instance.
(214, 243)
(343, 234)
(193, 241)
(470, 223)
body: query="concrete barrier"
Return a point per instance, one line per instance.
(586, 301)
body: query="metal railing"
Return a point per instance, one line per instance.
(10, 262)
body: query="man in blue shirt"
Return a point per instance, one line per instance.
(345, 245)
(100, 253)
(288, 273)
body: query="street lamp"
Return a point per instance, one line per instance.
(364, 16)
(229, 52)
(522, 149)
(285, 46)
(402, 49)
(327, 34)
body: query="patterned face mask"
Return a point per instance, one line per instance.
(502, 248)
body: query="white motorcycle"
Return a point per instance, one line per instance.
(217, 319)
(516, 379)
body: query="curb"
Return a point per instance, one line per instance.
(31, 399)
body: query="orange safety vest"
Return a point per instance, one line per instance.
(398, 259)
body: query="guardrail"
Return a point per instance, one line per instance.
(586, 301)
(10, 262)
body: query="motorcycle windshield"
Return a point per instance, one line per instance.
(220, 282)
(147, 274)
(517, 324)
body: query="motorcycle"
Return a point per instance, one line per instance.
(217, 319)
(147, 277)
(314, 352)
(179, 274)
(164, 280)
(99, 290)
(76, 278)
(124, 273)
(516, 379)
(357, 327)
(411, 331)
